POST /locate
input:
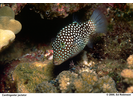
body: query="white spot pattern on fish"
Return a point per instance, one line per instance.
(72, 39)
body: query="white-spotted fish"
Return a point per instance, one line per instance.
(72, 39)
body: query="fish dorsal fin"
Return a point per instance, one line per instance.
(75, 18)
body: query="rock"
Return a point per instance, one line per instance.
(52, 10)
(46, 87)
(29, 75)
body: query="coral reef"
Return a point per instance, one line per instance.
(107, 85)
(105, 67)
(89, 76)
(82, 86)
(28, 75)
(65, 79)
(50, 10)
(14, 55)
(116, 40)
(16, 7)
(86, 81)
(104, 84)
(127, 74)
(46, 87)
(8, 26)
(101, 69)
(130, 5)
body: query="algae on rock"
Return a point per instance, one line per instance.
(29, 75)
(46, 87)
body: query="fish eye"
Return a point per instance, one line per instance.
(62, 44)
(47, 12)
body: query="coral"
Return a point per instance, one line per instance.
(120, 6)
(46, 87)
(7, 11)
(89, 76)
(128, 75)
(130, 61)
(118, 42)
(130, 5)
(106, 84)
(65, 79)
(39, 55)
(50, 10)
(82, 86)
(86, 81)
(129, 90)
(6, 36)
(109, 53)
(17, 53)
(109, 67)
(28, 75)
(8, 23)
(16, 7)
(84, 60)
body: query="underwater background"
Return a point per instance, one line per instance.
(27, 31)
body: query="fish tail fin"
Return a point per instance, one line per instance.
(99, 21)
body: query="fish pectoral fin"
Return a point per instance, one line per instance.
(90, 44)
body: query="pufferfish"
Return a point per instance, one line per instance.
(72, 39)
